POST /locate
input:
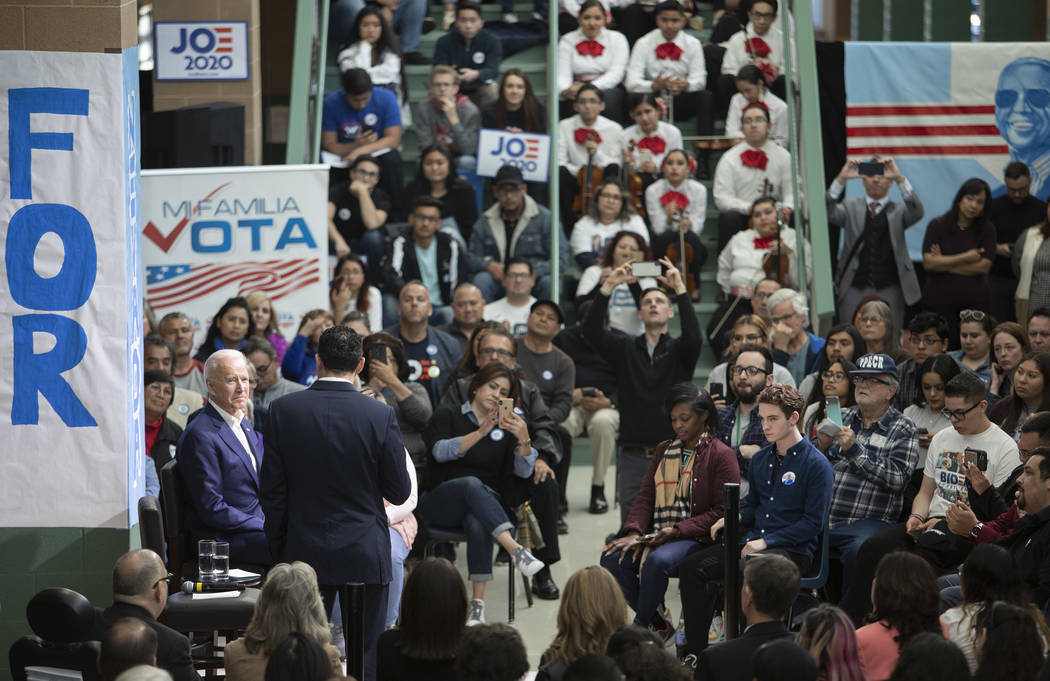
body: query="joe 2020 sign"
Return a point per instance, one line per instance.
(201, 50)
(528, 151)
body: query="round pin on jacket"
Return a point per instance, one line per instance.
(344, 213)
(496, 434)
(479, 57)
(788, 478)
(370, 119)
(547, 374)
(432, 349)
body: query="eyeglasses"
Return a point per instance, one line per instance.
(971, 316)
(163, 388)
(1038, 97)
(869, 320)
(495, 352)
(429, 219)
(958, 414)
(167, 578)
(927, 341)
(863, 380)
(750, 371)
(833, 376)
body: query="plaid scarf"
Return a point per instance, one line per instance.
(673, 481)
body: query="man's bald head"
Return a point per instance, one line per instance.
(129, 642)
(136, 572)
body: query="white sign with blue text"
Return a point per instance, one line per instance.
(70, 369)
(528, 151)
(200, 50)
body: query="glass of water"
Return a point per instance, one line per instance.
(222, 561)
(206, 560)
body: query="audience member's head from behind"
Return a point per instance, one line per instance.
(127, 643)
(783, 660)
(1008, 643)
(651, 663)
(433, 611)
(339, 352)
(828, 634)
(771, 583)
(288, 602)
(491, 652)
(144, 672)
(929, 656)
(592, 609)
(140, 578)
(593, 667)
(298, 657)
(905, 596)
(989, 575)
(625, 639)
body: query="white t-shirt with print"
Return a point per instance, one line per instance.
(945, 458)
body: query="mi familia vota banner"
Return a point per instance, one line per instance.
(948, 112)
(209, 234)
(70, 309)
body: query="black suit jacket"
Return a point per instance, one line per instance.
(332, 456)
(173, 649)
(731, 660)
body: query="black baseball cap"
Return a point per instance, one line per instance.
(551, 304)
(509, 175)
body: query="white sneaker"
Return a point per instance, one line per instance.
(477, 613)
(526, 563)
(510, 18)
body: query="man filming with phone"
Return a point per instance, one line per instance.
(874, 449)
(876, 257)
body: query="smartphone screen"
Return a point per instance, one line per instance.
(834, 410)
(379, 353)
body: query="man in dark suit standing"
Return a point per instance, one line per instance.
(332, 456)
(771, 584)
(140, 591)
(874, 256)
(219, 455)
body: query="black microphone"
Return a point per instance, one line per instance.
(207, 587)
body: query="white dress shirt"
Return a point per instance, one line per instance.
(590, 235)
(603, 72)
(737, 186)
(643, 67)
(574, 156)
(740, 263)
(235, 425)
(737, 57)
(695, 211)
(665, 131)
(778, 117)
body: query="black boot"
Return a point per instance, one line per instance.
(598, 503)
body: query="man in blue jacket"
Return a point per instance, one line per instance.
(784, 512)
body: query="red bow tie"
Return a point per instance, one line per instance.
(590, 48)
(763, 243)
(583, 134)
(754, 158)
(668, 51)
(653, 143)
(758, 47)
(678, 198)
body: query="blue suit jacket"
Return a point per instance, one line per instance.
(332, 455)
(221, 485)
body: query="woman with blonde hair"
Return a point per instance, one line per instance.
(264, 314)
(289, 602)
(592, 609)
(828, 634)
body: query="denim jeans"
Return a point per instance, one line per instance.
(372, 245)
(646, 593)
(468, 505)
(398, 553)
(848, 539)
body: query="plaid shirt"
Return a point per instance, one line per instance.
(752, 435)
(870, 476)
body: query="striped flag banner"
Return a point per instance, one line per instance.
(940, 110)
(173, 285)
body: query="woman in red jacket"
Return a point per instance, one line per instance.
(680, 498)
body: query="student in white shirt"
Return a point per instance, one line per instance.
(647, 142)
(593, 54)
(375, 50)
(668, 59)
(758, 167)
(677, 203)
(586, 137)
(751, 88)
(760, 43)
(610, 214)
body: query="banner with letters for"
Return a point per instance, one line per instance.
(531, 152)
(70, 309)
(213, 233)
(947, 112)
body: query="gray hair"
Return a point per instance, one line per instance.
(798, 301)
(220, 356)
(144, 672)
(289, 601)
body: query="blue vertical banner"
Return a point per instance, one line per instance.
(71, 373)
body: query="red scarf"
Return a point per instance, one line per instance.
(653, 143)
(763, 243)
(668, 51)
(590, 48)
(758, 47)
(582, 134)
(678, 198)
(754, 158)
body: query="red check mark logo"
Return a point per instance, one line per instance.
(165, 243)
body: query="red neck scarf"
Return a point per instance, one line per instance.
(754, 158)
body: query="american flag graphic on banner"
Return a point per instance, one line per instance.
(922, 130)
(172, 285)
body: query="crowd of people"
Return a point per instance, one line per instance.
(910, 444)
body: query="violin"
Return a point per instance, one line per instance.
(683, 253)
(632, 184)
(588, 178)
(778, 267)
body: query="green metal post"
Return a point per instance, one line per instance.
(552, 128)
(308, 64)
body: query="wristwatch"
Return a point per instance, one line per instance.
(976, 530)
